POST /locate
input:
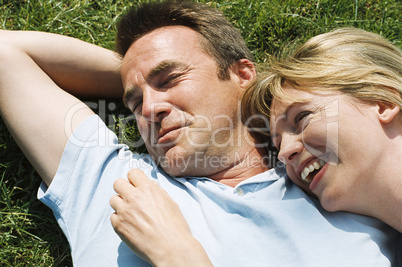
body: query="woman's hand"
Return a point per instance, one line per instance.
(152, 225)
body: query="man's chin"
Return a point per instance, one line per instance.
(173, 167)
(179, 162)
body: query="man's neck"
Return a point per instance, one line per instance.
(250, 164)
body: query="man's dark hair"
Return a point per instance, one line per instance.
(220, 39)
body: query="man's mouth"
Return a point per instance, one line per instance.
(164, 132)
(311, 170)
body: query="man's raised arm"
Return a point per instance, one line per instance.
(36, 71)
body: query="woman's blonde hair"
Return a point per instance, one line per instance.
(352, 61)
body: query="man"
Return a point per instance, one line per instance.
(184, 69)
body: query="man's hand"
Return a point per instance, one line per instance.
(152, 225)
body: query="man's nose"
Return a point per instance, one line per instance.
(290, 149)
(155, 106)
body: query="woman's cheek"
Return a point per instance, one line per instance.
(317, 136)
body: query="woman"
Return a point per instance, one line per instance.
(335, 117)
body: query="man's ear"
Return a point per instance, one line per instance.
(387, 112)
(244, 72)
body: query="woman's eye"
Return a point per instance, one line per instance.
(299, 117)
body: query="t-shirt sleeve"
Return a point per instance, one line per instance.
(81, 189)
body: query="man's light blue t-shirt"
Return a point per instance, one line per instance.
(264, 221)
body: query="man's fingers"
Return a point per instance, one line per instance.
(122, 187)
(138, 178)
(115, 202)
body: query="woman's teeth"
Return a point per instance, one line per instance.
(309, 169)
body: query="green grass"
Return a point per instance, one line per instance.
(29, 235)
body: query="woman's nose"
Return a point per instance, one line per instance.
(290, 149)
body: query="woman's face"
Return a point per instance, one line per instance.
(327, 143)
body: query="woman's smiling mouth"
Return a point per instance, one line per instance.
(310, 170)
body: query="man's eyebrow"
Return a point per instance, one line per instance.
(167, 65)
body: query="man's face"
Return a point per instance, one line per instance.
(186, 115)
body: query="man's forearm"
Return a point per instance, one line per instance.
(80, 68)
(39, 72)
